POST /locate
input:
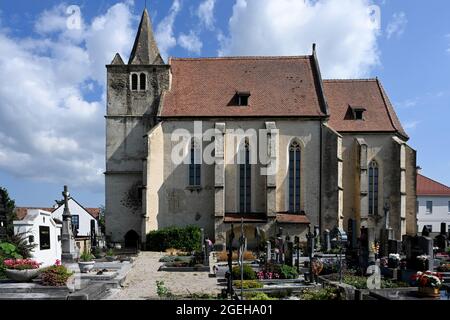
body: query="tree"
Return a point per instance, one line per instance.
(8, 205)
(101, 219)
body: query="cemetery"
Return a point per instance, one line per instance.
(41, 261)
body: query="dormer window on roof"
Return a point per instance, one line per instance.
(242, 98)
(355, 113)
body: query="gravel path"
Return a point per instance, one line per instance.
(141, 280)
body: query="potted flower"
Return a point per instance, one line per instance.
(86, 261)
(21, 269)
(429, 283)
(394, 260)
(110, 256)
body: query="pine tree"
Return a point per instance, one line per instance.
(8, 205)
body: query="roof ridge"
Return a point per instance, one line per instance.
(241, 58)
(351, 80)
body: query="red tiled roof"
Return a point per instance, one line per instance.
(292, 218)
(278, 86)
(368, 94)
(429, 187)
(94, 212)
(21, 212)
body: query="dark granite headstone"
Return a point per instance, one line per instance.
(441, 239)
(289, 256)
(394, 246)
(352, 237)
(425, 231)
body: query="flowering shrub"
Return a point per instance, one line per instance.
(56, 275)
(428, 279)
(21, 264)
(264, 274)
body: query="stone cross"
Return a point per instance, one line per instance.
(69, 253)
(66, 213)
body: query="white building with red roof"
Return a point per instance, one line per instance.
(433, 204)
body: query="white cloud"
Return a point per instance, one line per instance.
(344, 30)
(164, 33)
(205, 12)
(190, 42)
(397, 25)
(49, 130)
(408, 103)
(411, 125)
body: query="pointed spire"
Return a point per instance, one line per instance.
(145, 50)
(117, 60)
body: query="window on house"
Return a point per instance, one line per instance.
(242, 98)
(245, 180)
(44, 237)
(76, 221)
(294, 177)
(142, 82)
(373, 188)
(429, 207)
(134, 82)
(359, 114)
(195, 165)
(448, 207)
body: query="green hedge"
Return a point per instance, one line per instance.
(187, 238)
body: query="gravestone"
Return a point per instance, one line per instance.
(326, 241)
(289, 257)
(364, 249)
(394, 246)
(425, 231)
(352, 237)
(440, 240)
(384, 242)
(426, 246)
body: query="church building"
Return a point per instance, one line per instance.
(289, 149)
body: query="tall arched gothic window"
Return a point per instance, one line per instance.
(134, 82)
(195, 165)
(373, 188)
(294, 177)
(245, 179)
(142, 82)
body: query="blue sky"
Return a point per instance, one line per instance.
(52, 86)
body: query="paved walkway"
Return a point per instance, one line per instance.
(141, 280)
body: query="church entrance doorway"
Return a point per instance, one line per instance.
(132, 240)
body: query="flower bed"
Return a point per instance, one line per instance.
(21, 264)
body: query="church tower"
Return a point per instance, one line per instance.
(133, 96)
